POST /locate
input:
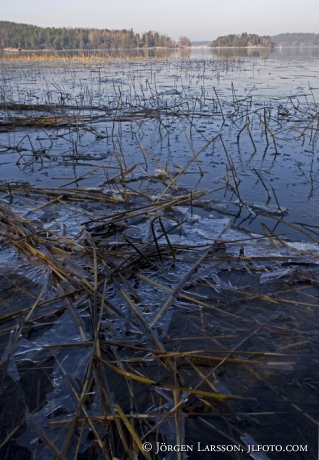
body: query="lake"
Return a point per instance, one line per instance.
(172, 107)
(159, 254)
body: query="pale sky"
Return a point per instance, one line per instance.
(196, 19)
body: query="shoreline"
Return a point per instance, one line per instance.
(47, 50)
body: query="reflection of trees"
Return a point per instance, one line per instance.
(185, 53)
(263, 53)
(298, 52)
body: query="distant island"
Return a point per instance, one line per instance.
(296, 39)
(243, 40)
(15, 36)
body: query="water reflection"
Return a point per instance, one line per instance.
(301, 53)
(263, 53)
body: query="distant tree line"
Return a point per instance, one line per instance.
(296, 39)
(242, 40)
(28, 37)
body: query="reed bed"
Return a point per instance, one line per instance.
(97, 56)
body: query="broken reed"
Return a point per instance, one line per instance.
(142, 361)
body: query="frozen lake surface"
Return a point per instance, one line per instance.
(159, 255)
(252, 115)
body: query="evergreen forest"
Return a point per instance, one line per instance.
(29, 37)
(296, 39)
(242, 40)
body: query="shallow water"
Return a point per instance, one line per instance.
(244, 322)
(156, 113)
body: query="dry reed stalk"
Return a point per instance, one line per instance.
(261, 180)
